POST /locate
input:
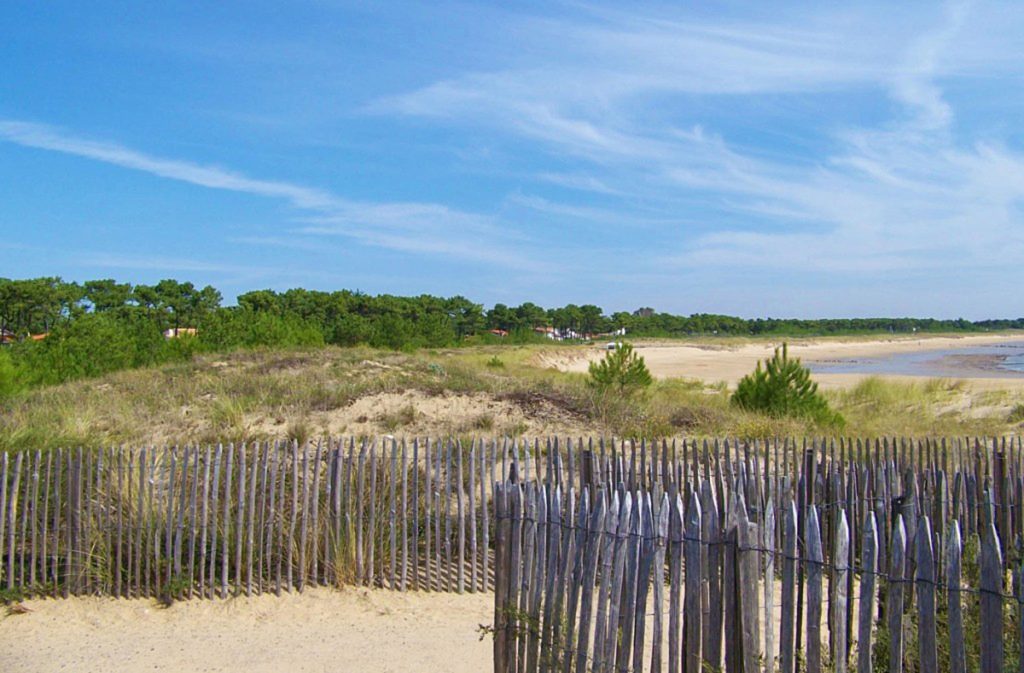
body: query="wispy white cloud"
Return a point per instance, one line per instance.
(146, 262)
(910, 190)
(420, 228)
(30, 134)
(822, 141)
(427, 228)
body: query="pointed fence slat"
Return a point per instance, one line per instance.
(787, 625)
(869, 569)
(894, 605)
(658, 580)
(841, 566)
(747, 595)
(595, 530)
(675, 575)
(711, 539)
(954, 609)
(991, 587)
(694, 569)
(529, 534)
(813, 571)
(925, 586)
(768, 584)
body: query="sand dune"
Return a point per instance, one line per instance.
(320, 630)
(729, 363)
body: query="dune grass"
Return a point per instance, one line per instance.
(936, 407)
(214, 397)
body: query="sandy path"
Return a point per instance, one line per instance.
(321, 630)
(729, 363)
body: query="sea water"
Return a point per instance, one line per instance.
(1003, 360)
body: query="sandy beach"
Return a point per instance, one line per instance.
(320, 630)
(730, 362)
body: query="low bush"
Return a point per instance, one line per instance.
(783, 387)
(621, 371)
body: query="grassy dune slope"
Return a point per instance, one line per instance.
(500, 390)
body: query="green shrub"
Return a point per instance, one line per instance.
(783, 387)
(10, 378)
(621, 371)
(252, 329)
(96, 344)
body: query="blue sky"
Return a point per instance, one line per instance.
(759, 159)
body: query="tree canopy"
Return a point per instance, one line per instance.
(103, 324)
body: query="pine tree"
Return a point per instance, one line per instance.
(621, 370)
(783, 387)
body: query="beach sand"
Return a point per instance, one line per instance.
(319, 630)
(730, 362)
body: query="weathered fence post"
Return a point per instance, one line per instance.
(747, 612)
(539, 578)
(595, 529)
(894, 606)
(869, 570)
(841, 563)
(643, 580)
(501, 577)
(732, 642)
(515, 562)
(630, 573)
(607, 558)
(694, 609)
(660, 538)
(787, 627)
(611, 640)
(768, 545)
(711, 540)
(813, 570)
(3, 511)
(991, 587)
(675, 579)
(954, 610)
(925, 580)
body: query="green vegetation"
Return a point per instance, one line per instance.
(783, 387)
(614, 383)
(621, 371)
(974, 638)
(308, 393)
(102, 326)
(273, 366)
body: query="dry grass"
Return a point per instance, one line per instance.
(302, 394)
(934, 407)
(294, 394)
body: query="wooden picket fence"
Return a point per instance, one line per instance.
(264, 517)
(887, 556)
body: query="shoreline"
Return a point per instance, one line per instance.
(729, 362)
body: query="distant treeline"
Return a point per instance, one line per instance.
(99, 326)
